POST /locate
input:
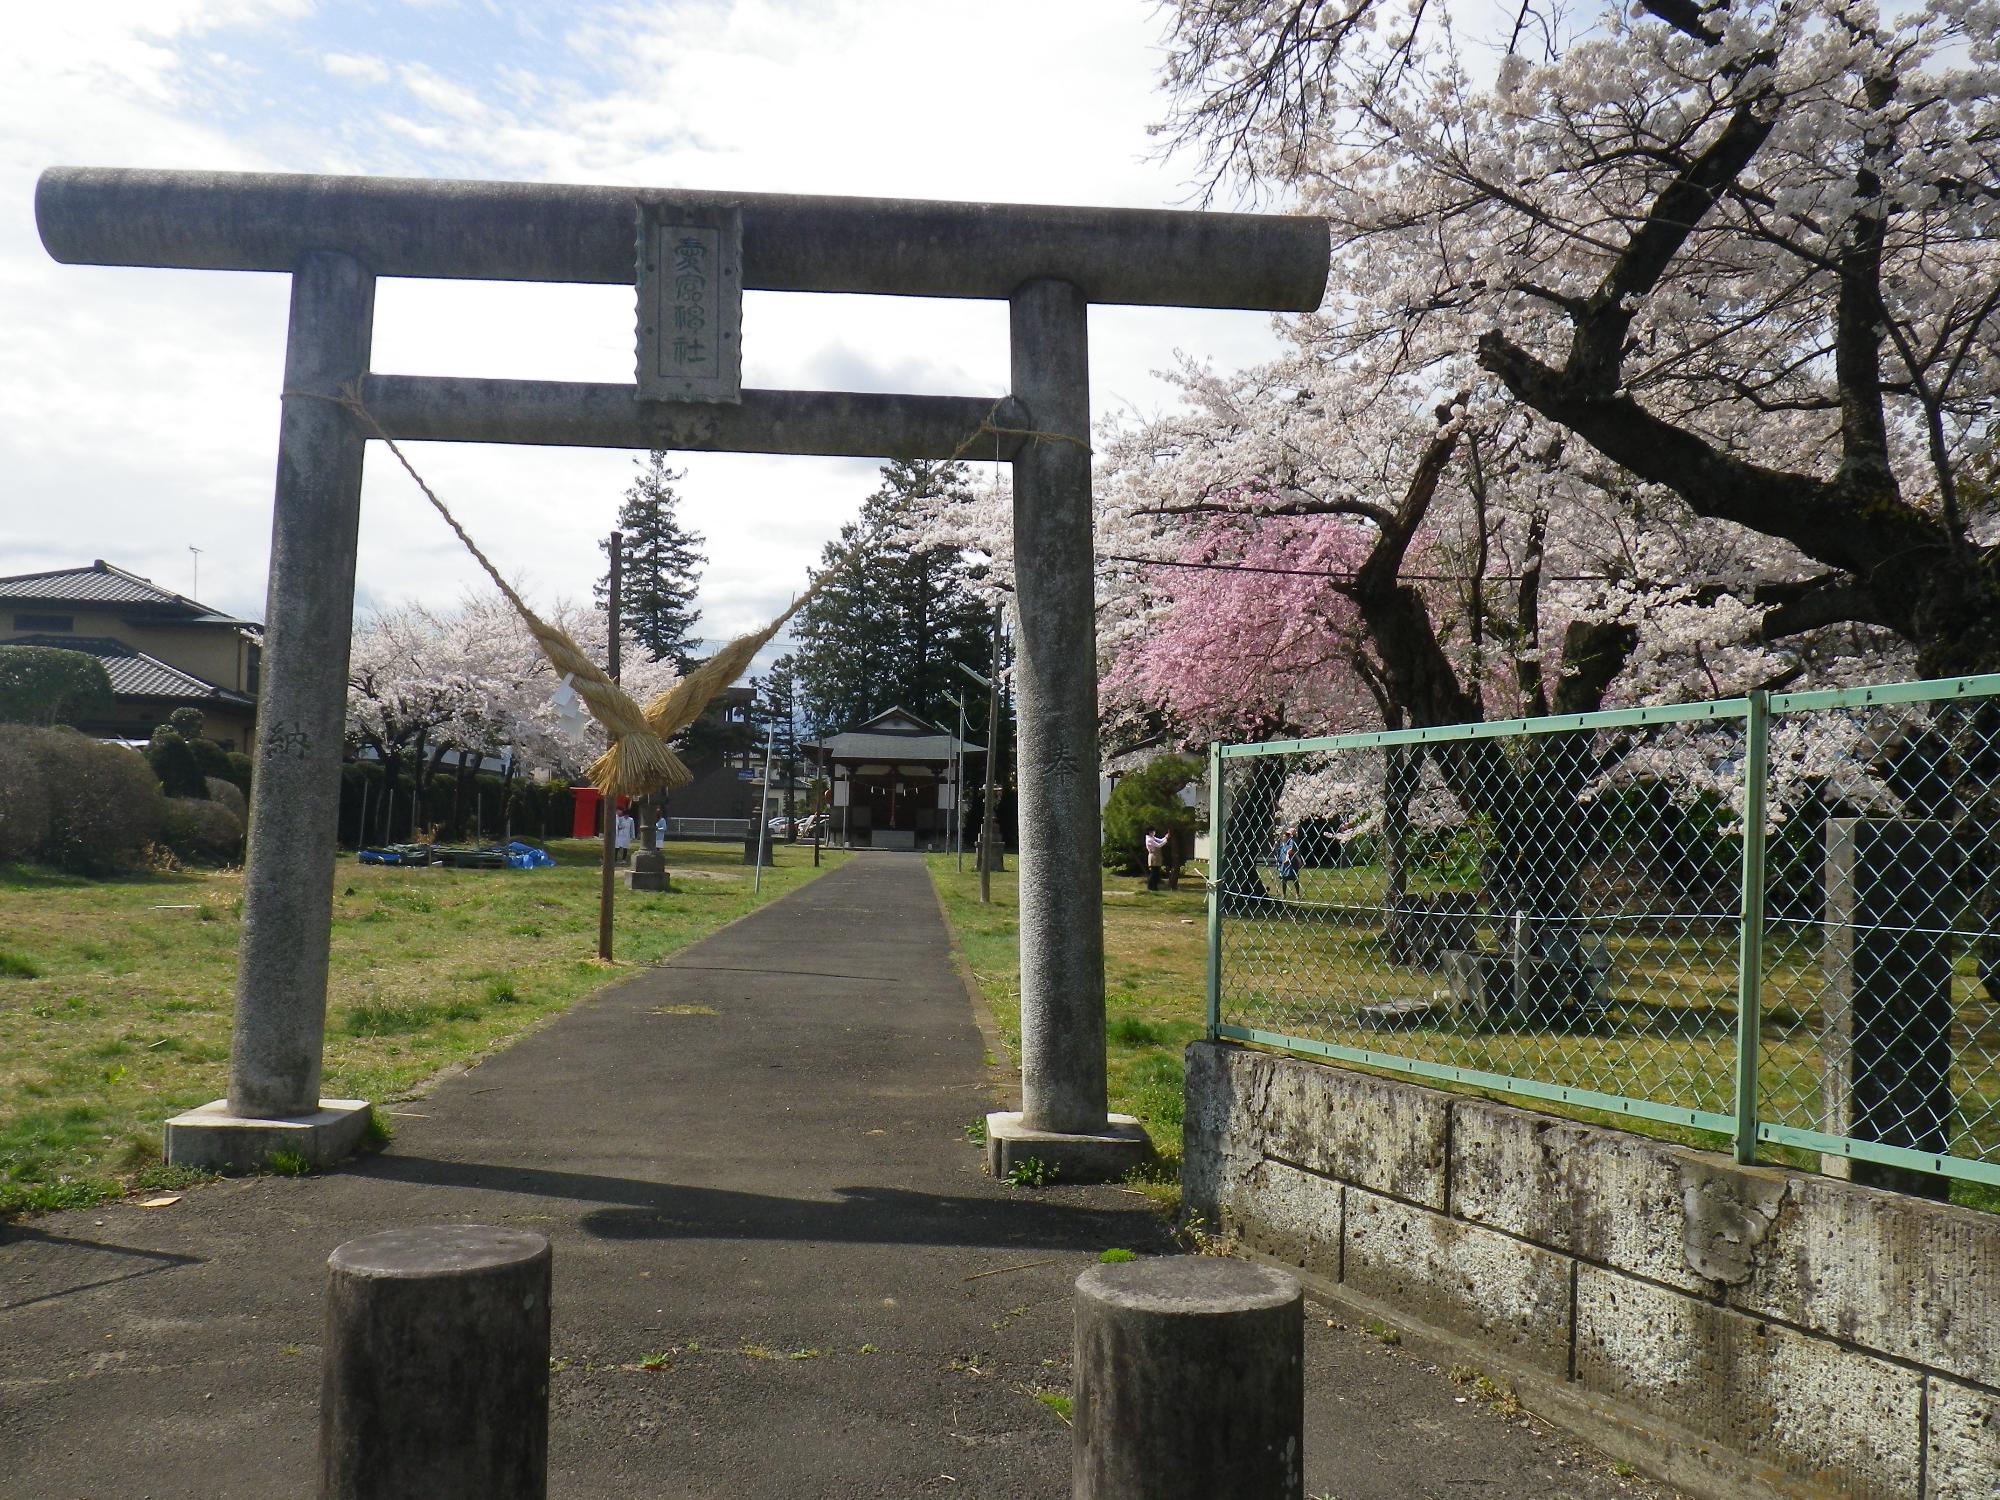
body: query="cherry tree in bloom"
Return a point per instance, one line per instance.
(1745, 252)
(1247, 633)
(472, 679)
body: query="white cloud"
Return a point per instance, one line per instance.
(142, 404)
(356, 65)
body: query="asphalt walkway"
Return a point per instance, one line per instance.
(779, 1267)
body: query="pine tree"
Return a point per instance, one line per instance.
(888, 628)
(661, 566)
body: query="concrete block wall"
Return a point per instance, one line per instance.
(1733, 1330)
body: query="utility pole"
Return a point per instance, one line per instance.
(959, 787)
(989, 820)
(195, 590)
(763, 811)
(609, 802)
(987, 817)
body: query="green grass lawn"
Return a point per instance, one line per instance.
(116, 996)
(1668, 1033)
(1155, 956)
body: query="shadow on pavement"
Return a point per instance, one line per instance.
(36, 1266)
(859, 1215)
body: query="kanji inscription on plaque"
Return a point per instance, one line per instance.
(690, 303)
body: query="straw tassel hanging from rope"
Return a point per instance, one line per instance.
(639, 761)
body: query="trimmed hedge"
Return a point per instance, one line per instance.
(45, 685)
(226, 794)
(74, 803)
(203, 833)
(24, 803)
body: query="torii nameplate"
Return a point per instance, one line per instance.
(690, 303)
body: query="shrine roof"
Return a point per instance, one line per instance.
(897, 735)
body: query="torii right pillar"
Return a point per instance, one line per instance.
(1063, 1121)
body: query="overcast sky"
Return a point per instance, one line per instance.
(141, 405)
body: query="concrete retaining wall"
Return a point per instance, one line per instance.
(1734, 1330)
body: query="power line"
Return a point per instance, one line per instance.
(1206, 567)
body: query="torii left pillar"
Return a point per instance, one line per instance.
(274, 1065)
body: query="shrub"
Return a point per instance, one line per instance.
(203, 833)
(239, 770)
(101, 804)
(46, 685)
(173, 761)
(186, 722)
(226, 794)
(211, 757)
(24, 802)
(1148, 799)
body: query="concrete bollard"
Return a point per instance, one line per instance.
(434, 1384)
(1190, 1382)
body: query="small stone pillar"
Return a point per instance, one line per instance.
(1892, 887)
(1190, 1382)
(434, 1382)
(649, 866)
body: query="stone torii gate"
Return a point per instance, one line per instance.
(335, 235)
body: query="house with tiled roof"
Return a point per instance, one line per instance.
(162, 650)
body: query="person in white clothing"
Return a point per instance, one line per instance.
(621, 837)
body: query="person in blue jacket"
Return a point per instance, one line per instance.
(1288, 861)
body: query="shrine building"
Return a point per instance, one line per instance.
(894, 780)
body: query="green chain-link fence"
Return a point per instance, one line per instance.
(1776, 918)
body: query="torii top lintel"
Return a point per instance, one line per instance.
(523, 231)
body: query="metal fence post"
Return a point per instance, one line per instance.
(1750, 947)
(1214, 888)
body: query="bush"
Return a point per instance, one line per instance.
(238, 772)
(211, 757)
(173, 762)
(203, 833)
(1149, 799)
(24, 802)
(226, 794)
(100, 804)
(46, 685)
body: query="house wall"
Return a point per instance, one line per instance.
(1734, 1330)
(214, 653)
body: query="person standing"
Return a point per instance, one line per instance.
(621, 837)
(1288, 862)
(1156, 857)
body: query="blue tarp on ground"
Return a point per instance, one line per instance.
(515, 856)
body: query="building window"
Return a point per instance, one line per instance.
(255, 670)
(45, 622)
